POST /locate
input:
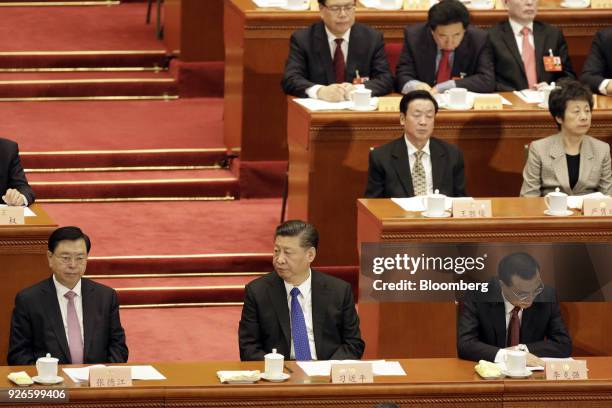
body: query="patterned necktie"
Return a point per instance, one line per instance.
(298, 329)
(75, 341)
(419, 183)
(514, 328)
(339, 66)
(444, 69)
(528, 55)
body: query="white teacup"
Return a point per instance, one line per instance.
(274, 364)
(556, 202)
(435, 204)
(361, 97)
(516, 361)
(47, 367)
(574, 3)
(457, 97)
(480, 3)
(387, 4)
(546, 94)
(295, 3)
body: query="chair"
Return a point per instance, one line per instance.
(159, 30)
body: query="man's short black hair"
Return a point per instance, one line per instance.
(520, 264)
(567, 90)
(309, 236)
(418, 94)
(67, 234)
(448, 12)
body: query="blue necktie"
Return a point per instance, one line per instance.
(298, 329)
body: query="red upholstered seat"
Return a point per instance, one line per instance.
(393, 51)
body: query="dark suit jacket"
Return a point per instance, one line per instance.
(11, 172)
(389, 170)
(598, 65)
(472, 58)
(509, 68)
(310, 62)
(37, 327)
(265, 321)
(481, 328)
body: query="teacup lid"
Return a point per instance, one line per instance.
(274, 356)
(516, 352)
(48, 359)
(557, 193)
(436, 194)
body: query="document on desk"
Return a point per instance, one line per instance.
(576, 201)
(270, 3)
(503, 367)
(140, 372)
(323, 368)
(417, 204)
(319, 105)
(530, 96)
(26, 211)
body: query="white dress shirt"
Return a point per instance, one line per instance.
(501, 354)
(518, 36)
(331, 41)
(425, 160)
(603, 87)
(305, 301)
(61, 290)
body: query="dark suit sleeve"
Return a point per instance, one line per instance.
(117, 349)
(249, 334)
(353, 346)
(376, 178)
(20, 350)
(381, 80)
(568, 70)
(17, 178)
(406, 66)
(483, 79)
(469, 346)
(459, 176)
(595, 65)
(558, 343)
(295, 80)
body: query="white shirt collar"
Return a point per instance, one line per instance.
(412, 150)
(331, 37)
(507, 305)
(62, 290)
(517, 27)
(304, 287)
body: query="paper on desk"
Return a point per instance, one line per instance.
(576, 201)
(144, 372)
(530, 96)
(503, 367)
(26, 211)
(323, 368)
(376, 4)
(270, 3)
(416, 203)
(318, 104)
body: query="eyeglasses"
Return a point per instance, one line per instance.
(349, 8)
(524, 296)
(67, 259)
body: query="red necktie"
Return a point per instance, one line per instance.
(528, 55)
(444, 69)
(339, 61)
(514, 328)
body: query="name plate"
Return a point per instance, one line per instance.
(566, 370)
(472, 209)
(357, 373)
(389, 103)
(110, 376)
(314, 5)
(597, 207)
(488, 102)
(601, 4)
(12, 215)
(416, 5)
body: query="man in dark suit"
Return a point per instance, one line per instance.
(597, 70)
(14, 186)
(520, 46)
(327, 58)
(304, 314)
(446, 52)
(416, 163)
(72, 318)
(517, 312)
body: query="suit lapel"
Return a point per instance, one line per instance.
(559, 164)
(586, 164)
(510, 41)
(320, 298)
(461, 58)
(498, 315)
(54, 315)
(88, 301)
(355, 54)
(438, 164)
(538, 41)
(527, 322)
(428, 50)
(401, 164)
(278, 297)
(322, 50)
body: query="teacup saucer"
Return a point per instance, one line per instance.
(301, 7)
(445, 214)
(524, 374)
(465, 106)
(575, 6)
(47, 381)
(558, 214)
(283, 377)
(368, 108)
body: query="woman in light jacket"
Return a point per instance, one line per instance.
(571, 160)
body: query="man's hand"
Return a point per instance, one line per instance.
(13, 197)
(332, 93)
(534, 361)
(609, 87)
(541, 86)
(422, 86)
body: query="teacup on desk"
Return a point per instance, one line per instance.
(295, 3)
(361, 98)
(556, 202)
(435, 204)
(516, 362)
(480, 4)
(457, 97)
(388, 4)
(546, 95)
(575, 3)
(47, 367)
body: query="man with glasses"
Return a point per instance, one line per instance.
(327, 59)
(74, 319)
(518, 312)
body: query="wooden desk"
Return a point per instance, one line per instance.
(328, 159)
(429, 383)
(23, 262)
(428, 329)
(257, 44)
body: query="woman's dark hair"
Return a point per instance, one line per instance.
(567, 90)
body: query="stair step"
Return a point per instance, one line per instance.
(198, 281)
(180, 295)
(84, 59)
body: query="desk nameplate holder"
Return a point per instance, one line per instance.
(472, 209)
(352, 373)
(12, 216)
(566, 370)
(597, 207)
(120, 376)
